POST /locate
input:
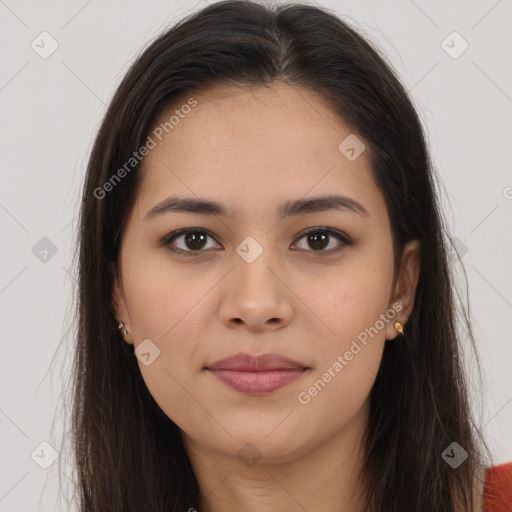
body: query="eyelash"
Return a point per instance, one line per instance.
(167, 240)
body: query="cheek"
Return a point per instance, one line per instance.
(161, 294)
(351, 300)
(170, 320)
(347, 363)
(354, 306)
(162, 305)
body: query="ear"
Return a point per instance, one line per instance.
(119, 305)
(405, 287)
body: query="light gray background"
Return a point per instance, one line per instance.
(50, 110)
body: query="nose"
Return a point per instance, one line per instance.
(256, 296)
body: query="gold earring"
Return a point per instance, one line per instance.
(399, 327)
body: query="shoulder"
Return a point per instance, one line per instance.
(497, 495)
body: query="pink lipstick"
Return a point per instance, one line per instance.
(257, 375)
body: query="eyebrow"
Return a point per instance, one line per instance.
(199, 206)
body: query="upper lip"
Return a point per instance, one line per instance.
(263, 362)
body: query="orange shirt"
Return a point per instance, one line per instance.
(498, 488)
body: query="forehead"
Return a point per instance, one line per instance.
(248, 146)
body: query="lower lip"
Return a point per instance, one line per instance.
(257, 383)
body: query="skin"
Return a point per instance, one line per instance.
(253, 149)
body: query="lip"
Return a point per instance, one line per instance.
(257, 375)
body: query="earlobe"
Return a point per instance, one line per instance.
(395, 326)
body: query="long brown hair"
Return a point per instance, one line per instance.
(129, 456)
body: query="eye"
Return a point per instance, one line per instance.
(193, 241)
(319, 238)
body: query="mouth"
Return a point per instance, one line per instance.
(257, 383)
(257, 375)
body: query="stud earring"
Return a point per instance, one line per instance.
(121, 327)
(399, 327)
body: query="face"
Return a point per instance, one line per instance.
(315, 285)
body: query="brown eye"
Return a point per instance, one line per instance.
(195, 240)
(191, 241)
(318, 239)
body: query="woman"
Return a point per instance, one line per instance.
(266, 309)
